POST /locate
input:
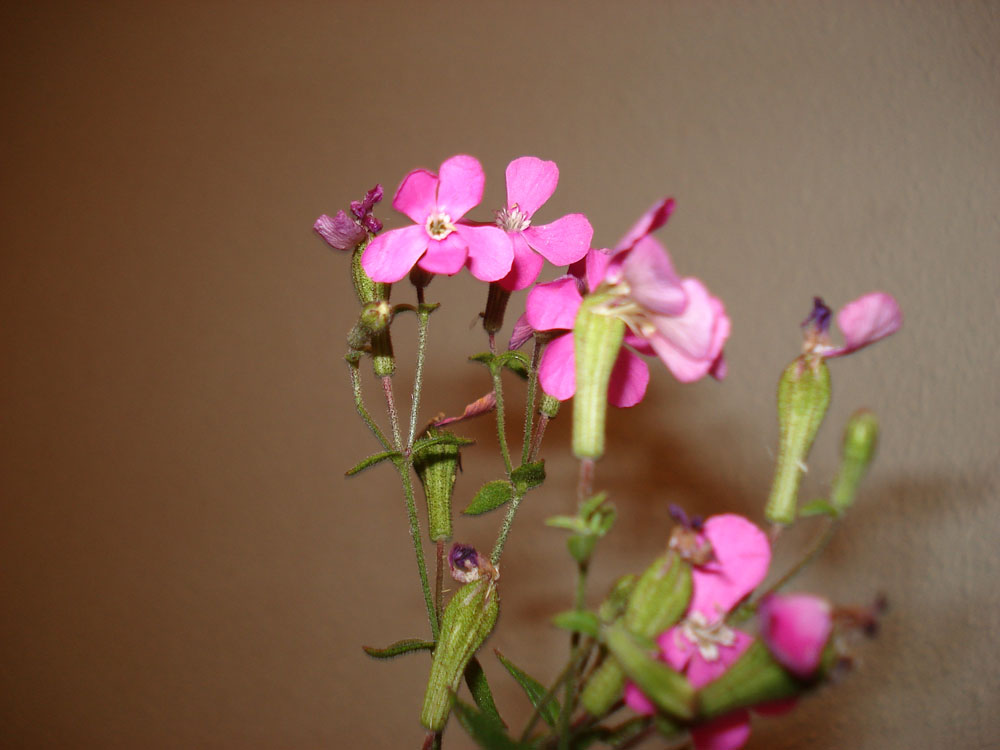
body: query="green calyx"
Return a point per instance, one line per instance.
(803, 398)
(468, 619)
(860, 440)
(366, 289)
(597, 337)
(437, 468)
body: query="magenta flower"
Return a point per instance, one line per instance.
(674, 319)
(438, 242)
(531, 182)
(342, 232)
(863, 321)
(796, 629)
(702, 646)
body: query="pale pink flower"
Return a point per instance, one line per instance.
(437, 241)
(675, 319)
(702, 646)
(796, 629)
(531, 182)
(863, 321)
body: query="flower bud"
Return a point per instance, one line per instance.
(549, 406)
(803, 397)
(366, 289)
(375, 318)
(437, 467)
(860, 438)
(796, 629)
(467, 621)
(596, 340)
(668, 689)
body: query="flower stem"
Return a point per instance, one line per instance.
(359, 404)
(423, 314)
(508, 521)
(536, 441)
(585, 480)
(501, 429)
(529, 406)
(569, 705)
(818, 545)
(418, 547)
(390, 403)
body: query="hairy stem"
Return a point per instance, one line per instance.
(422, 318)
(418, 547)
(359, 404)
(527, 448)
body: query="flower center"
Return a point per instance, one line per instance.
(707, 636)
(439, 225)
(512, 219)
(620, 305)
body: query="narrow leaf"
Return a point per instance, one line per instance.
(371, 461)
(527, 476)
(579, 622)
(445, 438)
(570, 523)
(399, 648)
(535, 690)
(486, 732)
(490, 496)
(475, 678)
(592, 503)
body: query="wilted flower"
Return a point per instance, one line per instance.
(343, 232)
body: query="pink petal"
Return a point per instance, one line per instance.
(866, 320)
(557, 370)
(481, 405)
(729, 732)
(461, 188)
(649, 222)
(652, 281)
(796, 628)
(562, 242)
(675, 649)
(742, 555)
(629, 378)
(553, 305)
(445, 256)
(521, 332)
(390, 256)
(490, 251)
(638, 702)
(416, 195)
(689, 344)
(530, 182)
(341, 232)
(592, 267)
(526, 266)
(700, 671)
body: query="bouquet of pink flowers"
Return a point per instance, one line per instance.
(686, 648)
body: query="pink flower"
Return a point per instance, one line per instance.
(674, 319)
(702, 646)
(437, 241)
(531, 182)
(796, 628)
(863, 321)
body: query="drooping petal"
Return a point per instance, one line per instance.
(482, 405)
(461, 188)
(652, 281)
(341, 232)
(553, 305)
(530, 182)
(526, 266)
(742, 555)
(563, 241)
(629, 378)
(650, 221)
(729, 732)
(521, 332)
(416, 195)
(866, 320)
(557, 370)
(690, 344)
(796, 628)
(390, 256)
(445, 256)
(490, 251)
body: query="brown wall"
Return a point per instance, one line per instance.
(183, 564)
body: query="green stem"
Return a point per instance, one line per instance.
(546, 699)
(422, 317)
(569, 706)
(505, 529)
(390, 403)
(359, 404)
(418, 547)
(814, 550)
(501, 429)
(529, 406)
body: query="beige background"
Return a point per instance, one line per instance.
(184, 564)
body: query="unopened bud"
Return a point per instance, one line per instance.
(375, 318)
(437, 467)
(668, 689)
(803, 398)
(366, 289)
(549, 406)
(860, 438)
(596, 341)
(467, 621)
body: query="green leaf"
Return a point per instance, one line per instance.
(591, 504)
(486, 732)
(570, 523)
(371, 461)
(579, 622)
(486, 358)
(445, 438)
(490, 496)
(535, 691)
(475, 678)
(527, 476)
(818, 508)
(665, 687)
(399, 648)
(515, 361)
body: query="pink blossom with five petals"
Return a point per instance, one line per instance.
(530, 183)
(437, 241)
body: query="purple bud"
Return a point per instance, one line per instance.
(372, 224)
(340, 232)
(819, 318)
(464, 562)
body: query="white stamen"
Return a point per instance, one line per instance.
(512, 219)
(707, 636)
(439, 225)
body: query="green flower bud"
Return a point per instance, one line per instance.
(366, 289)
(596, 340)
(437, 467)
(375, 318)
(860, 438)
(467, 621)
(549, 406)
(668, 689)
(803, 397)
